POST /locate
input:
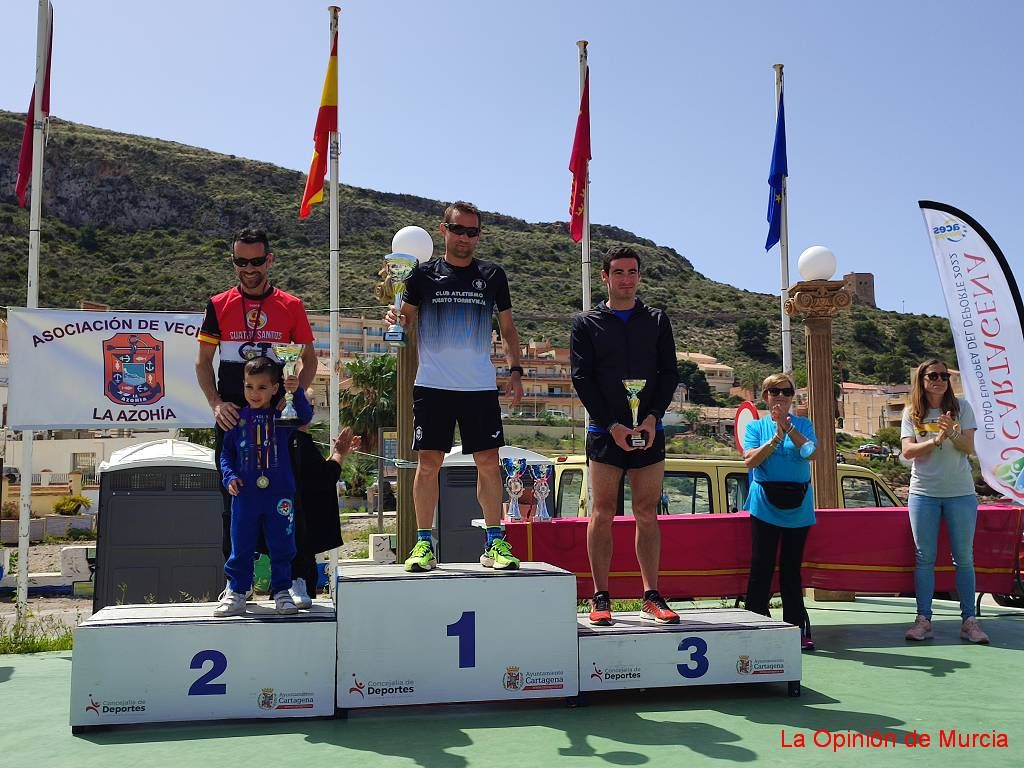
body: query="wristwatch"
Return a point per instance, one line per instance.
(515, 369)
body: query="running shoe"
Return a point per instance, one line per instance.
(499, 557)
(656, 609)
(601, 610)
(421, 558)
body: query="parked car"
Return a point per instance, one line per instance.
(703, 485)
(870, 449)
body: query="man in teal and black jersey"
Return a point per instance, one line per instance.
(452, 300)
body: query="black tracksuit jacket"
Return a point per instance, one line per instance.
(604, 350)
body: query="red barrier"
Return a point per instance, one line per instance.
(859, 550)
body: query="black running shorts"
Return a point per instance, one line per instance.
(436, 411)
(602, 448)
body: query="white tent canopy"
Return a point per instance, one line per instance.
(160, 453)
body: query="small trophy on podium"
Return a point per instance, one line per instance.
(399, 266)
(514, 469)
(633, 388)
(541, 488)
(289, 355)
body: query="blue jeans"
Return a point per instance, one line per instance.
(961, 515)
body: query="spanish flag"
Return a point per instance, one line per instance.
(578, 162)
(28, 136)
(326, 123)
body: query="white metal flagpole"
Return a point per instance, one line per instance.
(334, 390)
(787, 348)
(32, 298)
(585, 242)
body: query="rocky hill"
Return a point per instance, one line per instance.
(142, 223)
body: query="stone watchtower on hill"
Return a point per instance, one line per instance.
(862, 286)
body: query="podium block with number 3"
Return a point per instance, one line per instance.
(459, 633)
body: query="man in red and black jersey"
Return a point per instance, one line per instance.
(242, 323)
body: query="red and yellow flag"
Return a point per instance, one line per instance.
(578, 163)
(28, 136)
(326, 122)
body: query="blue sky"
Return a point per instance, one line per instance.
(886, 103)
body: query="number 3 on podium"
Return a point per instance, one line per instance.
(697, 650)
(465, 630)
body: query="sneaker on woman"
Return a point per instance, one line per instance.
(972, 632)
(921, 630)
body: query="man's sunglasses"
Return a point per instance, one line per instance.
(458, 229)
(935, 376)
(784, 391)
(259, 261)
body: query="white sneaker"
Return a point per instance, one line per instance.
(283, 603)
(227, 586)
(299, 594)
(231, 603)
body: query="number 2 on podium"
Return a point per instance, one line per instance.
(465, 630)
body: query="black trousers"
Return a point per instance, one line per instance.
(765, 541)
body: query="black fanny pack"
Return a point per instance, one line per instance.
(784, 495)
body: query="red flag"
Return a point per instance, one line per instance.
(578, 163)
(326, 122)
(25, 158)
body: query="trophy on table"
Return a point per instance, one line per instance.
(514, 469)
(633, 387)
(399, 266)
(289, 355)
(541, 488)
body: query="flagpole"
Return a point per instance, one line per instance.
(787, 347)
(32, 297)
(334, 391)
(585, 242)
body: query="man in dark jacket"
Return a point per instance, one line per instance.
(623, 339)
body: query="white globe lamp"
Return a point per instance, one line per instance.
(415, 241)
(817, 263)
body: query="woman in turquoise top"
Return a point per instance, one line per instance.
(938, 436)
(777, 450)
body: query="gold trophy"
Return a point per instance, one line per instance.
(633, 388)
(289, 355)
(400, 266)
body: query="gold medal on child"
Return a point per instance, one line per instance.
(262, 482)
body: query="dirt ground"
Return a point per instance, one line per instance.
(45, 558)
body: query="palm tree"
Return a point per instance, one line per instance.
(368, 402)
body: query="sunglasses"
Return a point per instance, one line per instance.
(784, 391)
(259, 261)
(458, 229)
(935, 376)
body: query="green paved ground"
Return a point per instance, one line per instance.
(863, 678)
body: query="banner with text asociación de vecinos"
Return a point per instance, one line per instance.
(76, 369)
(985, 314)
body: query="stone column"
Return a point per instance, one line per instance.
(817, 302)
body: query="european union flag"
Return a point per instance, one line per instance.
(778, 172)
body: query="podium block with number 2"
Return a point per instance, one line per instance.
(459, 633)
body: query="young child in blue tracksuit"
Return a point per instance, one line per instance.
(257, 472)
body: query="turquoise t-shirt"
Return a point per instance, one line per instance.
(785, 464)
(945, 472)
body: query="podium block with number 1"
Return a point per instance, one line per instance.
(459, 633)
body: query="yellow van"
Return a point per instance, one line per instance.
(702, 485)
